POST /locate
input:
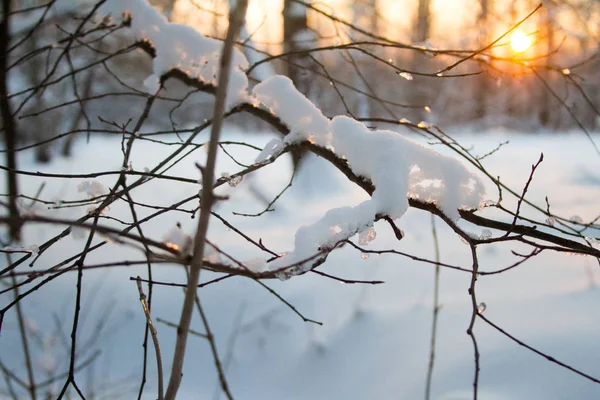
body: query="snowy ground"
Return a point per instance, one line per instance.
(374, 342)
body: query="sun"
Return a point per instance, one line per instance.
(519, 41)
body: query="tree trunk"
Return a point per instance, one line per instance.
(295, 25)
(546, 100)
(483, 87)
(10, 129)
(421, 33)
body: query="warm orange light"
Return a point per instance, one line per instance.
(172, 246)
(519, 41)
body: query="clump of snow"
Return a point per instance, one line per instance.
(177, 239)
(406, 75)
(485, 234)
(256, 265)
(212, 255)
(305, 120)
(271, 150)
(398, 167)
(32, 249)
(152, 83)
(180, 46)
(92, 188)
(232, 181)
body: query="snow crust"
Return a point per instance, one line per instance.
(180, 46)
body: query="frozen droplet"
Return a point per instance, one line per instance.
(426, 108)
(551, 221)
(424, 125)
(576, 219)
(364, 256)
(485, 234)
(566, 71)
(367, 236)
(481, 308)
(439, 74)
(488, 203)
(233, 182)
(390, 61)
(404, 121)
(406, 75)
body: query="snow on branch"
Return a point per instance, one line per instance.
(180, 47)
(398, 167)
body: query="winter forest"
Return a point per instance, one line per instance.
(295, 199)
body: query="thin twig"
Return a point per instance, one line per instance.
(436, 309)
(154, 335)
(546, 356)
(235, 22)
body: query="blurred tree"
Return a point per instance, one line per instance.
(483, 88)
(547, 36)
(295, 35)
(421, 32)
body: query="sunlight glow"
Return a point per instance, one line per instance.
(519, 41)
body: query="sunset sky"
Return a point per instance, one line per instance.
(454, 23)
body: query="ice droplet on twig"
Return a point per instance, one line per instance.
(485, 234)
(406, 75)
(481, 308)
(233, 182)
(551, 221)
(364, 256)
(576, 219)
(488, 203)
(367, 236)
